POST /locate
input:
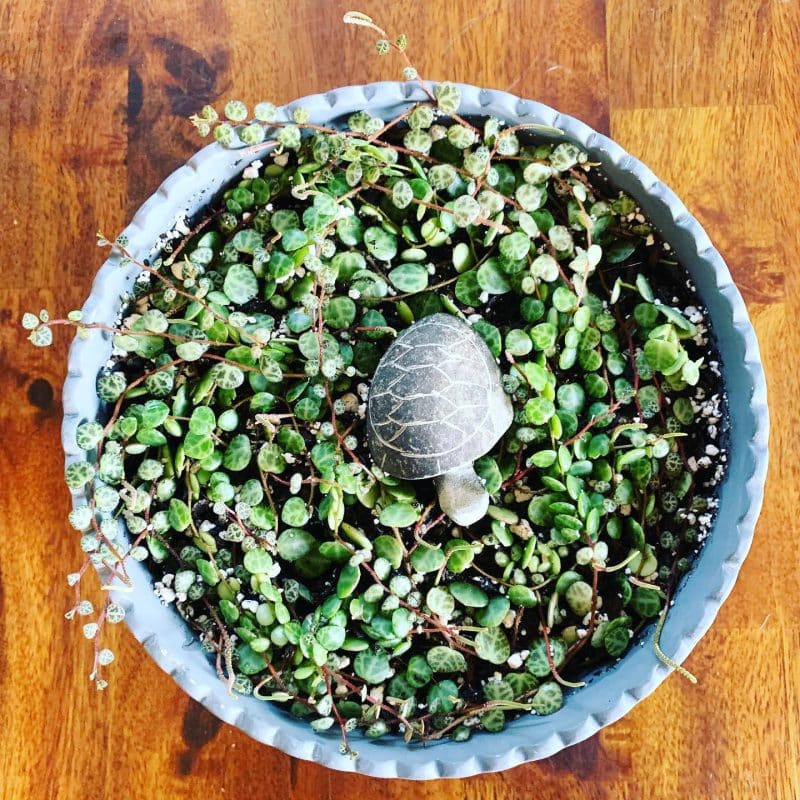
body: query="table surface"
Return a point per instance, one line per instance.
(94, 97)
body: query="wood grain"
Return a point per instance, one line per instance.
(93, 100)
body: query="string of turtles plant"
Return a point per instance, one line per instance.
(231, 455)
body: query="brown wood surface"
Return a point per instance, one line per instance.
(93, 101)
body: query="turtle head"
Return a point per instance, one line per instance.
(462, 495)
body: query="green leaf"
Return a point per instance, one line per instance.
(271, 459)
(495, 689)
(249, 661)
(564, 300)
(265, 112)
(545, 267)
(537, 663)
(380, 244)
(398, 515)
(468, 594)
(538, 410)
(418, 140)
(532, 373)
(644, 288)
(230, 611)
(235, 110)
(460, 555)
(281, 266)
(246, 241)
(690, 372)
(530, 197)
(88, 435)
(151, 437)
(548, 699)
(522, 596)
(571, 397)
(427, 559)
(678, 320)
(153, 413)
(448, 97)
(228, 420)
(402, 622)
(198, 446)
(295, 513)
(257, 561)
(238, 453)
(444, 659)
(491, 278)
(351, 232)
(339, 313)
(227, 376)
(616, 636)
(544, 335)
(441, 176)
(646, 602)
(191, 351)
(331, 637)
(79, 474)
(649, 400)
(178, 515)
(494, 613)
(442, 697)
(155, 321)
(110, 385)
(660, 354)
(619, 251)
(521, 682)
(389, 548)
(241, 284)
(372, 666)
(467, 289)
(41, 336)
(492, 645)
(515, 246)
(440, 602)
(207, 571)
(490, 334)
(488, 471)
(321, 214)
(409, 277)
(518, 343)
(323, 456)
(293, 239)
(493, 720)
(290, 440)
(683, 410)
(466, 210)
(543, 458)
(418, 672)
(334, 551)
(348, 580)
(295, 543)
(645, 314)
(402, 194)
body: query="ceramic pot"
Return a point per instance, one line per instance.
(611, 691)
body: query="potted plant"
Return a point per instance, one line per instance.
(232, 470)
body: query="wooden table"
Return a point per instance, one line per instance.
(93, 104)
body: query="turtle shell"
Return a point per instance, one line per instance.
(436, 402)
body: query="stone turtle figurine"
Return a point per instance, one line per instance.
(435, 405)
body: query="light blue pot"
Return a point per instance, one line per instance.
(613, 690)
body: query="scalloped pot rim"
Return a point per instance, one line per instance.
(612, 691)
